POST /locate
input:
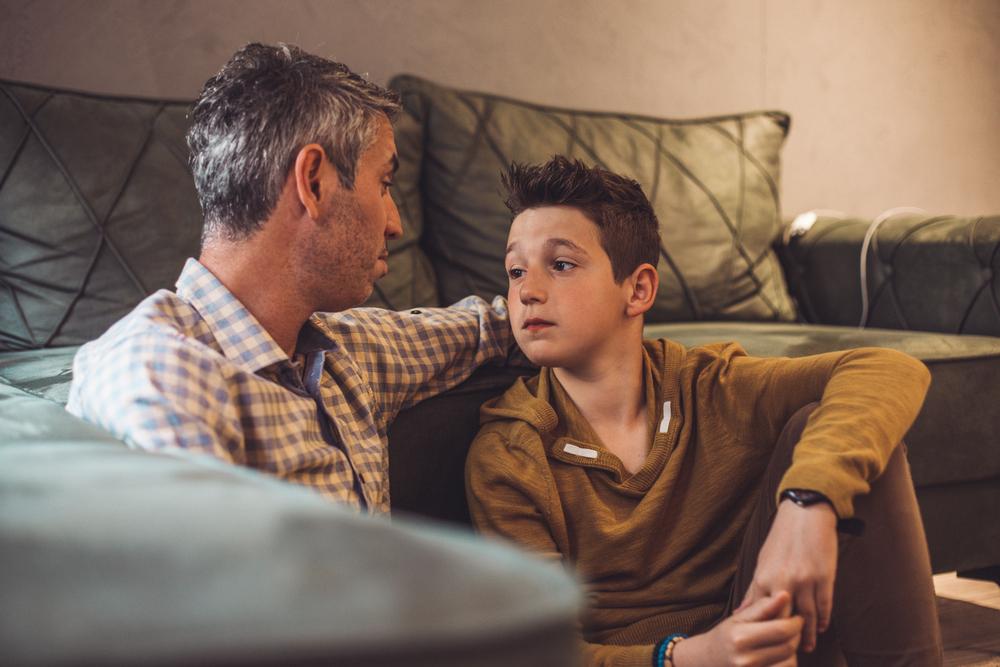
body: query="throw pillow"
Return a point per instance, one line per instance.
(712, 181)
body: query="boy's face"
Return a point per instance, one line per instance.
(563, 299)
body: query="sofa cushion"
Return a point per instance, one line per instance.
(111, 556)
(98, 209)
(713, 183)
(927, 273)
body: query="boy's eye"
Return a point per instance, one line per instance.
(562, 265)
(515, 272)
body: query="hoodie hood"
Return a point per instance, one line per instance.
(526, 401)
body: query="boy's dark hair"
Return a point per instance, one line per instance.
(626, 223)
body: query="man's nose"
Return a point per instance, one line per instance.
(394, 226)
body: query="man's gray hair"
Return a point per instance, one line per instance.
(254, 116)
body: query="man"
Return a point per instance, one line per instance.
(249, 361)
(666, 475)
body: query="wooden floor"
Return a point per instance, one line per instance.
(970, 620)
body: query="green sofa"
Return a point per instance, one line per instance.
(110, 553)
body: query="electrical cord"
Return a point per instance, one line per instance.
(869, 234)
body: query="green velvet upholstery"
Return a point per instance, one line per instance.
(97, 210)
(713, 183)
(926, 273)
(113, 556)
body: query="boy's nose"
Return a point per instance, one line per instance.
(532, 292)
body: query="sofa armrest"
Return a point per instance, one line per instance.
(937, 273)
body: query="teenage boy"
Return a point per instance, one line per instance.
(697, 492)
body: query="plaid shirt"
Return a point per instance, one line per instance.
(195, 370)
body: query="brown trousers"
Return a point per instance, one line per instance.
(884, 609)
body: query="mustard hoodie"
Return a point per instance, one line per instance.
(657, 549)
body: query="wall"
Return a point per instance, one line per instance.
(894, 102)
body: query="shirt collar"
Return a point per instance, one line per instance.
(240, 336)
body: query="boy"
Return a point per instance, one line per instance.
(666, 476)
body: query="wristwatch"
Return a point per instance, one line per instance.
(804, 497)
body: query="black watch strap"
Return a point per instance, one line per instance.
(805, 497)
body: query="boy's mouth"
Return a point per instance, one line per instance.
(536, 324)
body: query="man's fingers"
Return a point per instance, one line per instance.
(805, 606)
(824, 606)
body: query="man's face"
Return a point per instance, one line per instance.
(563, 299)
(347, 252)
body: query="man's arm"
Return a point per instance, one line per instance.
(411, 355)
(157, 392)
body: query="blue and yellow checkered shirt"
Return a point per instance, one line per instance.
(195, 370)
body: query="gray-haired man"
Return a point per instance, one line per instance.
(252, 360)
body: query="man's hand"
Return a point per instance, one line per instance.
(800, 556)
(759, 635)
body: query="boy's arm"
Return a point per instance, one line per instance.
(509, 496)
(408, 356)
(868, 398)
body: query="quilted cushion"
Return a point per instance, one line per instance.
(939, 273)
(713, 183)
(98, 209)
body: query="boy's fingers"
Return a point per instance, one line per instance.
(779, 631)
(824, 606)
(765, 608)
(805, 606)
(774, 654)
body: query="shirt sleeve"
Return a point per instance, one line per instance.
(156, 392)
(408, 356)
(868, 399)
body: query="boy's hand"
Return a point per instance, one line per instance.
(760, 634)
(800, 556)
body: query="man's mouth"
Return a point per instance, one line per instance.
(536, 324)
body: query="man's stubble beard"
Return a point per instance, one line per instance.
(336, 273)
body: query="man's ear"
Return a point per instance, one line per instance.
(642, 285)
(307, 173)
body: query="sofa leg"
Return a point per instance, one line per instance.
(991, 573)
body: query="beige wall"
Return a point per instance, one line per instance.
(894, 102)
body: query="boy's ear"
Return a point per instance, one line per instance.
(642, 285)
(307, 174)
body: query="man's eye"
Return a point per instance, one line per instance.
(387, 184)
(562, 265)
(515, 273)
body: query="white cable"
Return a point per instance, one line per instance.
(872, 228)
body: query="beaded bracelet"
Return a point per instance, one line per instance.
(663, 654)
